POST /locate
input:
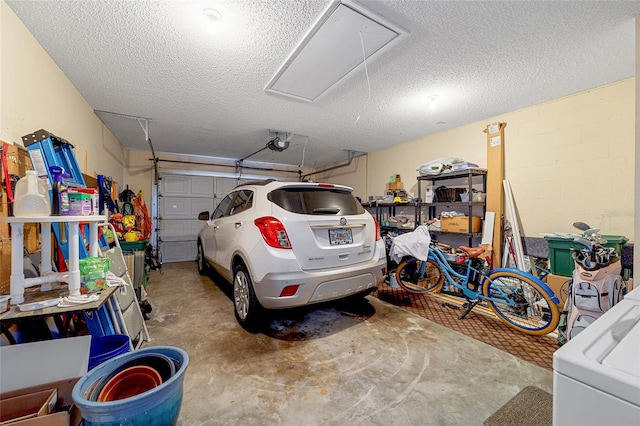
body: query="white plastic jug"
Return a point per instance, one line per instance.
(31, 197)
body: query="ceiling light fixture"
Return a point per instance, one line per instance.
(212, 16)
(346, 35)
(432, 101)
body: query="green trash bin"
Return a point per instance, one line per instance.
(560, 259)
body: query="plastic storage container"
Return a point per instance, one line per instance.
(135, 245)
(104, 348)
(157, 406)
(560, 259)
(31, 197)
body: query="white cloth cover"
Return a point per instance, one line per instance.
(414, 244)
(435, 167)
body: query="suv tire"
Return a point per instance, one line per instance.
(248, 310)
(203, 266)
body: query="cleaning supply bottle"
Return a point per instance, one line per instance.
(31, 196)
(59, 193)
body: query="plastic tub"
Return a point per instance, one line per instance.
(560, 260)
(104, 348)
(4, 303)
(478, 197)
(132, 246)
(158, 406)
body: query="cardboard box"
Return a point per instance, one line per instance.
(65, 414)
(70, 356)
(560, 286)
(53, 364)
(29, 405)
(395, 185)
(488, 251)
(460, 224)
(630, 285)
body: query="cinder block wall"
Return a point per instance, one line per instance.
(570, 159)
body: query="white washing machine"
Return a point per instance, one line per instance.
(633, 295)
(596, 375)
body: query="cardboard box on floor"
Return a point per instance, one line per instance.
(27, 406)
(560, 286)
(66, 414)
(29, 368)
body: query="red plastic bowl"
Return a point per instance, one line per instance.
(130, 382)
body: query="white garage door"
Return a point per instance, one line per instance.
(181, 199)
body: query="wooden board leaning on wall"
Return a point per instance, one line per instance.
(18, 162)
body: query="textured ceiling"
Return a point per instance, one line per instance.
(205, 94)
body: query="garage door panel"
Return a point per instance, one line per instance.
(176, 229)
(224, 186)
(196, 226)
(173, 207)
(178, 251)
(200, 205)
(201, 186)
(183, 197)
(174, 184)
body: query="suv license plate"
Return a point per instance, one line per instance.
(340, 236)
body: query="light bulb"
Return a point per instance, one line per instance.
(432, 101)
(212, 16)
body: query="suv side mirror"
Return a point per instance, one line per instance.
(203, 216)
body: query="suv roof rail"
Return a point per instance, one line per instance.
(256, 182)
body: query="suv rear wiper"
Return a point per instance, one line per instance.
(326, 210)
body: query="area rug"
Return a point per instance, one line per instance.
(486, 328)
(531, 406)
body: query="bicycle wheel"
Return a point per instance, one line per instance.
(408, 276)
(533, 311)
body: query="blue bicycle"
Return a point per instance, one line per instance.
(518, 299)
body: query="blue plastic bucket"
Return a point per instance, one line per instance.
(158, 406)
(104, 348)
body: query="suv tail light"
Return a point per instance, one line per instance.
(377, 226)
(273, 232)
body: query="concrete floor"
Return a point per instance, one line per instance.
(371, 363)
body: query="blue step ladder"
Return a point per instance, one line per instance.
(46, 150)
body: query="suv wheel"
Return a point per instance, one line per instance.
(203, 266)
(247, 308)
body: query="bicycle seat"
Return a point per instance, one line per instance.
(472, 252)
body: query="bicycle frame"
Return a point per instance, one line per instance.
(449, 273)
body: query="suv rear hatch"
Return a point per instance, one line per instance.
(326, 225)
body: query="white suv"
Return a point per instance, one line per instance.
(287, 244)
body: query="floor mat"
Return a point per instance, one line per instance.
(535, 349)
(531, 406)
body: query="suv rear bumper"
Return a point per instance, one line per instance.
(319, 286)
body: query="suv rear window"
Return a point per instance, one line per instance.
(316, 201)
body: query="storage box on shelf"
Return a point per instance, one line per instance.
(395, 185)
(385, 212)
(460, 224)
(476, 197)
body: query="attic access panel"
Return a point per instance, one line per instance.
(338, 42)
